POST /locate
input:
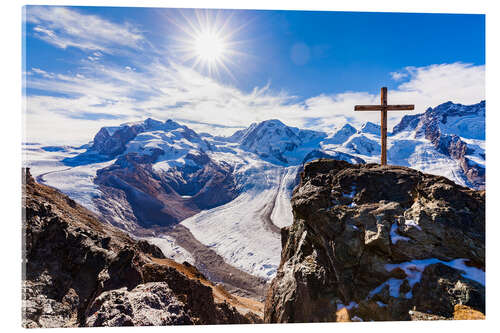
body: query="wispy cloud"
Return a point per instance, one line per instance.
(64, 27)
(457, 82)
(111, 95)
(42, 73)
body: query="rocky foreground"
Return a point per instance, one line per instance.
(81, 272)
(368, 242)
(372, 242)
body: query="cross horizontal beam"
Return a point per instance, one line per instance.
(382, 107)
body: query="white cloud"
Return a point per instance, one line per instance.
(429, 86)
(398, 75)
(457, 82)
(64, 27)
(112, 95)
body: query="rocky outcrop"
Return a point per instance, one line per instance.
(378, 243)
(78, 271)
(315, 154)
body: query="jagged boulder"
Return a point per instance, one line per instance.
(150, 304)
(378, 242)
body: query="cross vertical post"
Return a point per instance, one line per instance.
(383, 125)
(383, 108)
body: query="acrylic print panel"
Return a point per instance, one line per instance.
(195, 166)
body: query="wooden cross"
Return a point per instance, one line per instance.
(383, 108)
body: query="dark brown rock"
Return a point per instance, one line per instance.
(150, 304)
(150, 249)
(441, 288)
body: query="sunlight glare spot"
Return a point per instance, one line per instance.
(209, 47)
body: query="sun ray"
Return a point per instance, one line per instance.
(207, 40)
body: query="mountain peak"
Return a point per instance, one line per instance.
(272, 123)
(348, 126)
(272, 139)
(342, 135)
(112, 141)
(370, 128)
(152, 124)
(457, 109)
(454, 118)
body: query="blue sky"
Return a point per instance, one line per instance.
(87, 67)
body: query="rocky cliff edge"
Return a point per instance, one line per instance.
(372, 242)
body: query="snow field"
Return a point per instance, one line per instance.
(78, 182)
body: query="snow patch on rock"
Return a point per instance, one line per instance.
(395, 237)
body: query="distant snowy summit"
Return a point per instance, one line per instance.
(112, 141)
(273, 139)
(466, 121)
(457, 131)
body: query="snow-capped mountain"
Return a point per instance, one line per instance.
(457, 131)
(231, 195)
(341, 135)
(147, 135)
(370, 128)
(274, 141)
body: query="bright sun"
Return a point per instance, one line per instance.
(209, 47)
(207, 41)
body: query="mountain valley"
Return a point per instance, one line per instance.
(201, 198)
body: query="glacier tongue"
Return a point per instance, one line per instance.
(235, 231)
(76, 181)
(245, 231)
